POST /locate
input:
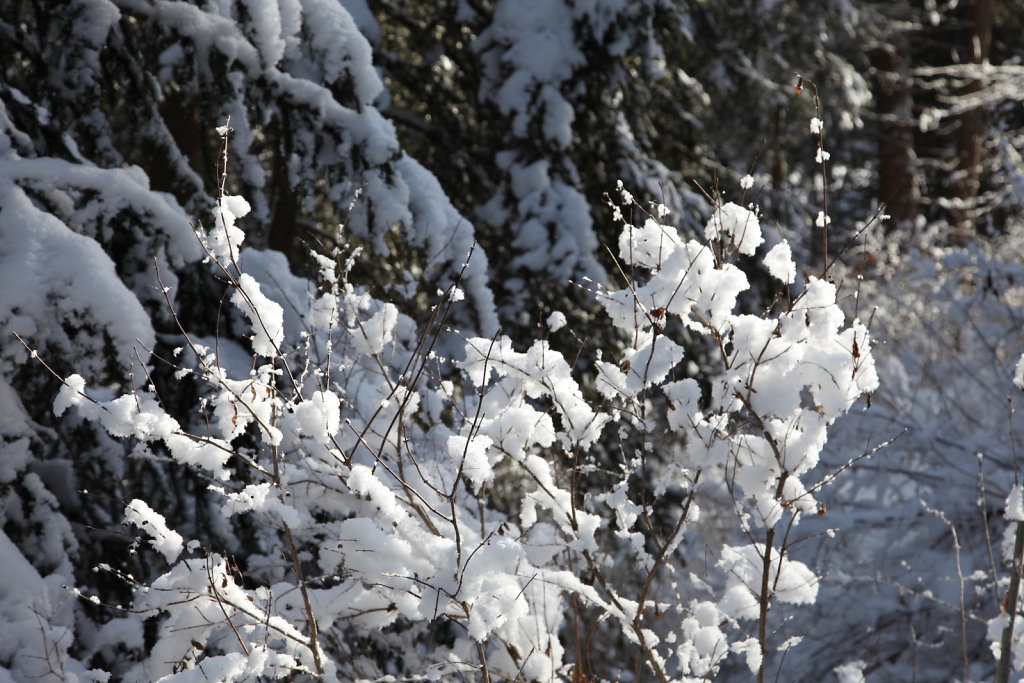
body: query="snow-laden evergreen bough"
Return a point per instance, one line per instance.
(103, 158)
(425, 516)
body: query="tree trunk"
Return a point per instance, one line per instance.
(897, 164)
(284, 205)
(971, 133)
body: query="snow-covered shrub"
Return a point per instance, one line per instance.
(330, 434)
(923, 567)
(751, 426)
(374, 473)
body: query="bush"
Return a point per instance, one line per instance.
(423, 503)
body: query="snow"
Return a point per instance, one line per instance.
(320, 416)
(647, 365)
(449, 238)
(687, 283)
(530, 54)
(35, 618)
(224, 241)
(850, 672)
(364, 18)
(50, 275)
(536, 43)
(95, 20)
(372, 334)
(648, 245)
(197, 595)
(262, 498)
(169, 543)
(737, 226)
(498, 600)
(538, 373)
(558, 116)
(751, 651)
(555, 321)
(685, 402)
(234, 667)
(470, 456)
(227, 668)
(362, 481)
(16, 453)
(266, 26)
(207, 31)
(1015, 504)
(422, 487)
(265, 316)
(779, 262)
(795, 583)
(293, 294)
(140, 415)
(341, 48)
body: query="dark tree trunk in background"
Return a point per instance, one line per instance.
(970, 136)
(284, 204)
(897, 173)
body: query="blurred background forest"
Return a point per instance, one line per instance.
(423, 126)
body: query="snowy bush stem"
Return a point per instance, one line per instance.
(821, 158)
(1005, 665)
(781, 382)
